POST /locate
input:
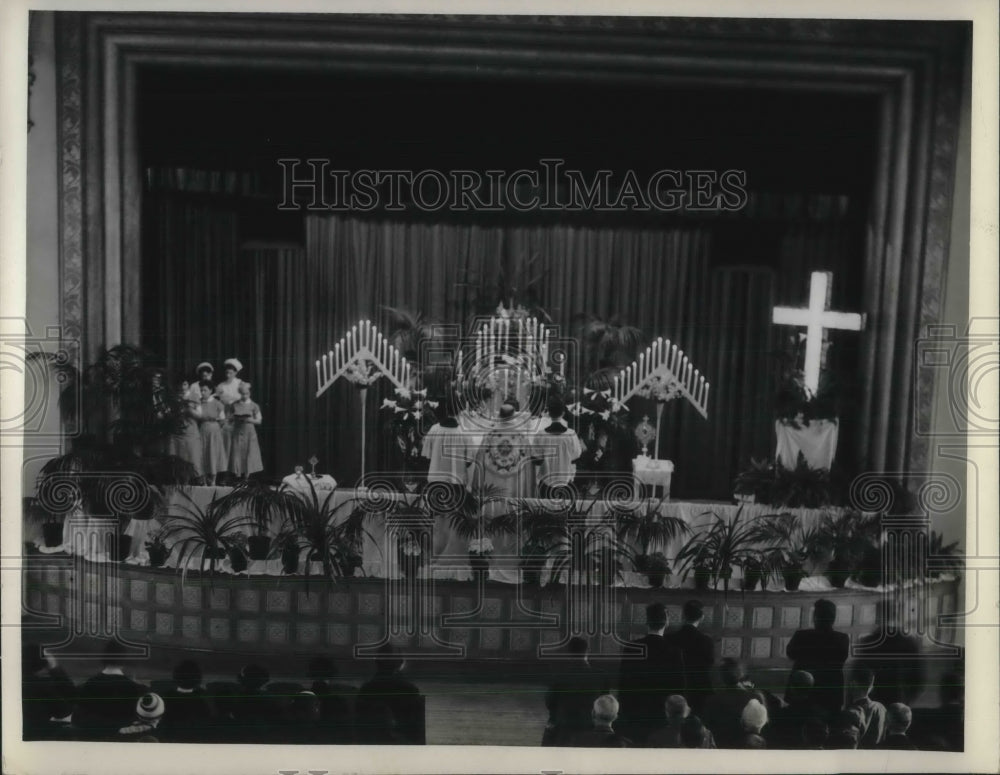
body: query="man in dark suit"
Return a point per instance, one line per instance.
(789, 717)
(652, 669)
(193, 717)
(389, 709)
(894, 657)
(106, 702)
(698, 650)
(570, 699)
(822, 652)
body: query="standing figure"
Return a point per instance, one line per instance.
(215, 457)
(228, 392)
(557, 448)
(822, 652)
(244, 450)
(204, 372)
(503, 458)
(187, 444)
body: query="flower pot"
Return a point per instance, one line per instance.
(793, 578)
(157, 556)
(259, 547)
(837, 572)
(290, 559)
(752, 577)
(702, 579)
(52, 533)
(656, 579)
(479, 563)
(237, 561)
(214, 553)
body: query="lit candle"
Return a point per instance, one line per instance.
(642, 366)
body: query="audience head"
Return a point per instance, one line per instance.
(814, 733)
(605, 710)
(388, 662)
(800, 685)
(898, 718)
(694, 611)
(656, 616)
(677, 708)
(731, 671)
(577, 646)
(860, 681)
(824, 614)
(754, 717)
(845, 733)
(253, 677)
(692, 732)
(322, 669)
(187, 674)
(150, 707)
(114, 654)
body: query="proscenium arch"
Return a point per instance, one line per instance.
(915, 69)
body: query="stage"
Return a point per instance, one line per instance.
(429, 619)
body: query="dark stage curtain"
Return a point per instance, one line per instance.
(278, 309)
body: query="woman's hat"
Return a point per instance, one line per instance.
(234, 363)
(203, 366)
(150, 706)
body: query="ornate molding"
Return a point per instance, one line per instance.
(69, 68)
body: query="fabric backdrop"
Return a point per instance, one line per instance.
(709, 286)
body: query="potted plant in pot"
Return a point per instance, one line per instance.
(846, 538)
(51, 523)
(791, 547)
(651, 531)
(727, 544)
(157, 549)
(211, 531)
(263, 504)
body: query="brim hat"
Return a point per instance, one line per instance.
(150, 706)
(234, 363)
(203, 366)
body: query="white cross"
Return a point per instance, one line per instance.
(817, 318)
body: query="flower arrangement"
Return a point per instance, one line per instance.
(482, 546)
(795, 404)
(409, 546)
(410, 414)
(362, 373)
(660, 389)
(597, 402)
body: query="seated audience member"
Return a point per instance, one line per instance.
(193, 716)
(814, 734)
(753, 719)
(694, 734)
(724, 709)
(871, 713)
(46, 691)
(646, 679)
(106, 702)
(898, 718)
(894, 657)
(149, 711)
(789, 716)
(570, 698)
(255, 714)
(822, 652)
(698, 650)
(845, 731)
(335, 701)
(603, 735)
(669, 735)
(942, 728)
(389, 708)
(59, 726)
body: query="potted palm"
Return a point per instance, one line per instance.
(157, 549)
(846, 539)
(211, 533)
(790, 547)
(726, 545)
(651, 531)
(537, 528)
(262, 504)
